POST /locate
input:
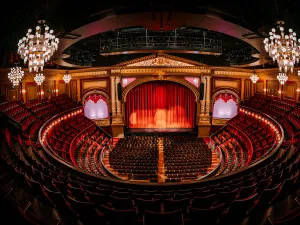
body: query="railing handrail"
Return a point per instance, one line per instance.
(248, 139)
(210, 179)
(75, 139)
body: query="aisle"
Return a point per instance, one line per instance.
(161, 162)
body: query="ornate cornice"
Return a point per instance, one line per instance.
(219, 122)
(162, 55)
(93, 73)
(152, 70)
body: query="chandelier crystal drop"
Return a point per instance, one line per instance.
(38, 47)
(39, 78)
(282, 77)
(283, 48)
(67, 78)
(254, 78)
(15, 76)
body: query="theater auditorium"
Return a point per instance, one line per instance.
(150, 113)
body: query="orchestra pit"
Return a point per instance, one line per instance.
(150, 113)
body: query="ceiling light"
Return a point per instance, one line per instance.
(254, 78)
(282, 77)
(67, 77)
(38, 47)
(39, 78)
(15, 76)
(283, 48)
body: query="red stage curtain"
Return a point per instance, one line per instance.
(160, 104)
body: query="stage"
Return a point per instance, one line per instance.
(160, 131)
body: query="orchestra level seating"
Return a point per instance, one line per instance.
(62, 180)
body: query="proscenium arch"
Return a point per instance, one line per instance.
(138, 81)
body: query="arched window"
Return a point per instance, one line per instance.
(225, 106)
(95, 107)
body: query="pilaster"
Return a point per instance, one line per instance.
(243, 89)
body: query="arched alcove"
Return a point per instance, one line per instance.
(96, 107)
(225, 104)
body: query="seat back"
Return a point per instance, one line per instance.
(121, 203)
(240, 207)
(170, 218)
(173, 205)
(119, 217)
(206, 216)
(151, 205)
(204, 202)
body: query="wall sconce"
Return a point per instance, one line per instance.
(298, 90)
(279, 92)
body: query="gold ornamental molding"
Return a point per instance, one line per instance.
(160, 76)
(219, 122)
(232, 73)
(92, 73)
(102, 122)
(153, 70)
(160, 59)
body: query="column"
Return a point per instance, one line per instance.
(297, 90)
(243, 90)
(78, 91)
(119, 106)
(202, 102)
(113, 95)
(208, 97)
(265, 87)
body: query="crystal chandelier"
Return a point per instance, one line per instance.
(38, 47)
(282, 77)
(283, 48)
(15, 76)
(39, 78)
(67, 77)
(254, 78)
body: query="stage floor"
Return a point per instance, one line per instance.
(160, 130)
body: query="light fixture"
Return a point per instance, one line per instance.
(299, 73)
(38, 47)
(39, 78)
(15, 76)
(282, 77)
(67, 77)
(254, 78)
(283, 48)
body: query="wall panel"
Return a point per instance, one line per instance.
(259, 87)
(273, 88)
(289, 90)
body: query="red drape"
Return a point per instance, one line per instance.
(160, 104)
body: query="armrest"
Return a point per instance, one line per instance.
(296, 199)
(269, 220)
(27, 207)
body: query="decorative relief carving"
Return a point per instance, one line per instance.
(202, 107)
(232, 73)
(117, 120)
(204, 119)
(103, 122)
(207, 107)
(81, 74)
(160, 61)
(219, 122)
(141, 71)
